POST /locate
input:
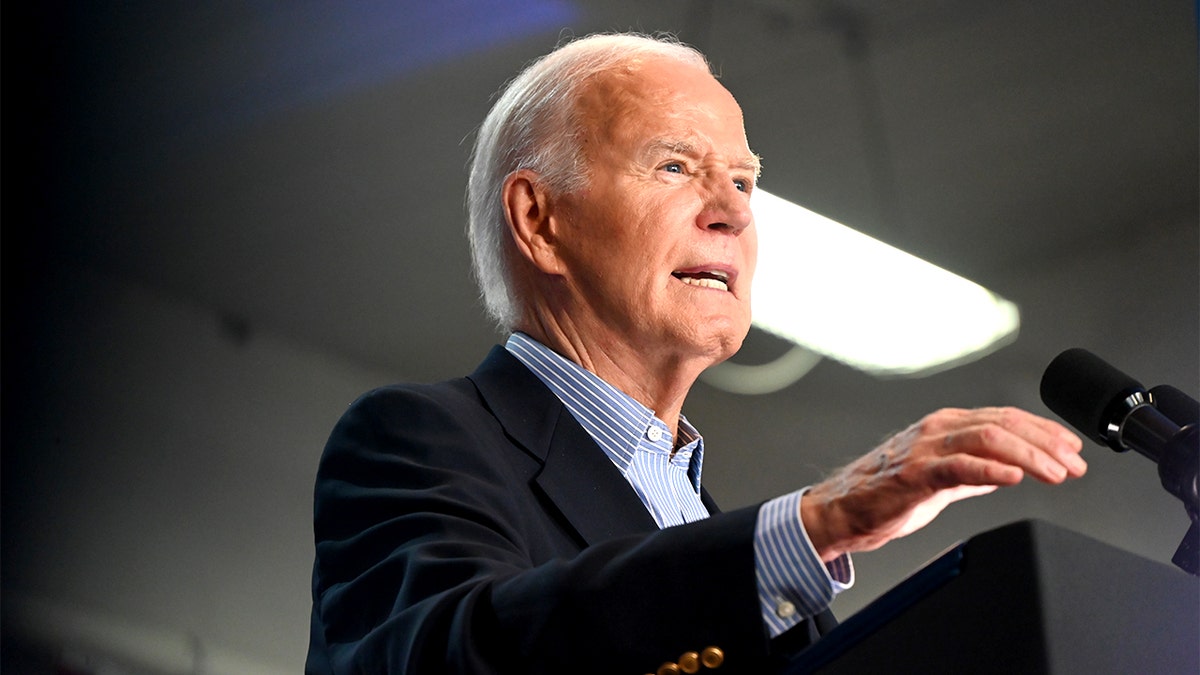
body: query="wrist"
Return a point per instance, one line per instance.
(819, 520)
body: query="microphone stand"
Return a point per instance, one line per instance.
(1179, 467)
(1189, 550)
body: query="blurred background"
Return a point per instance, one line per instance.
(226, 220)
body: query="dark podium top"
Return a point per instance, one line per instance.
(1029, 597)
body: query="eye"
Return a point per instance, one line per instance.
(741, 185)
(673, 167)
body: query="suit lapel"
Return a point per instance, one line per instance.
(588, 489)
(576, 476)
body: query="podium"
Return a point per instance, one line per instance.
(1029, 597)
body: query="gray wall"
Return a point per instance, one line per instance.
(205, 263)
(163, 479)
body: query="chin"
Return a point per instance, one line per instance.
(731, 348)
(721, 342)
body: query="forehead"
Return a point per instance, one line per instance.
(660, 104)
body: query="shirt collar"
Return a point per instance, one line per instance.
(616, 421)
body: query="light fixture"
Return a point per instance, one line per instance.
(841, 294)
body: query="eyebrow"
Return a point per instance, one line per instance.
(659, 146)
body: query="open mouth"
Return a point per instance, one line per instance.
(715, 279)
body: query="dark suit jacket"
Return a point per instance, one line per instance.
(473, 526)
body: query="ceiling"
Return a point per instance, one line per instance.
(302, 173)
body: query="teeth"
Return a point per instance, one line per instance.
(705, 282)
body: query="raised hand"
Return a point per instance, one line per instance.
(952, 454)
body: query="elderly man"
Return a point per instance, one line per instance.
(546, 513)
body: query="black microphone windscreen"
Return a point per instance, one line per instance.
(1082, 388)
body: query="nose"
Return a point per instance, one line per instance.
(726, 207)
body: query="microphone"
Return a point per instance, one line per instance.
(1181, 408)
(1106, 405)
(1113, 409)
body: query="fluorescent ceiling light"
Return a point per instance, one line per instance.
(854, 299)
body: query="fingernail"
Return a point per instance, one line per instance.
(1076, 462)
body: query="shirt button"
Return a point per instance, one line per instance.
(654, 434)
(785, 609)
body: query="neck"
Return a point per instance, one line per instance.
(660, 381)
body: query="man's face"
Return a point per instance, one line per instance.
(660, 246)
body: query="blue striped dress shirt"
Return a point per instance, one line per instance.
(793, 583)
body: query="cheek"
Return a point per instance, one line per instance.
(750, 249)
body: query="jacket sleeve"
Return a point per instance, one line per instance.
(429, 559)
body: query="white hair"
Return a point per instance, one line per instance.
(535, 124)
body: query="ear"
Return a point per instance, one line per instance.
(531, 221)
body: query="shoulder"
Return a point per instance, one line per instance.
(468, 422)
(409, 418)
(484, 425)
(411, 403)
(498, 380)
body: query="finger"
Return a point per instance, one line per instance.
(1038, 445)
(1064, 444)
(1040, 430)
(960, 470)
(990, 441)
